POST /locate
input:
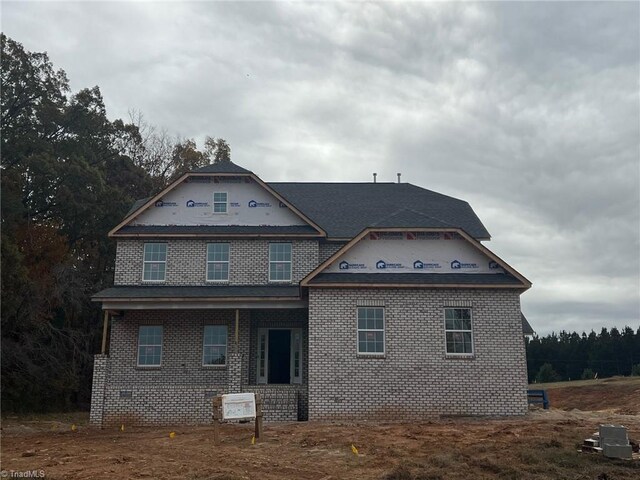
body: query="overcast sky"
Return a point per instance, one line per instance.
(530, 112)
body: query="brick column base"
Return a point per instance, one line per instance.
(234, 370)
(100, 365)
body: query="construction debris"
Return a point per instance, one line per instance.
(610, 440)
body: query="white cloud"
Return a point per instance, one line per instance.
(528, 111)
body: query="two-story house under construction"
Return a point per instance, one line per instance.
(331, 300)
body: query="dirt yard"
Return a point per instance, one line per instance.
(540, 446)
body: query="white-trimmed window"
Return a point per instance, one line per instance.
(214, 350)
(279, 262)
(155, 262)
(371, 330)
(150, 346)
(220, 202)
(217, 262)
(457, 325)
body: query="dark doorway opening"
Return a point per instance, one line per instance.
(279, 356)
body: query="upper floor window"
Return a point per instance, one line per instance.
(220, 202)
(215, 345)
(217, 262)
(458, 331)
(370, 330)
(155, 262)
(150, 345)
(279, 262)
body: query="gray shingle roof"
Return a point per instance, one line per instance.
(213, 291)
(527, 329)
(136, 205)
(416, 278)
(218, 230)
(344, 209)
(222, 167)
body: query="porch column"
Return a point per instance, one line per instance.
(234, 367)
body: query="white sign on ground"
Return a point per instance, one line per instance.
(236, 406)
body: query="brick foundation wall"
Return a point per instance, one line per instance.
(415, 378)
(187, 261)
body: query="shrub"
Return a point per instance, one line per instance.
(635, 370)
(547, 374)
(587, 374)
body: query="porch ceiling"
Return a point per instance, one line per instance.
(214, 296)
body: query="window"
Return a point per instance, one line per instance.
(220, 202)
(279, 262)
(458, 331)
(370, 331)
(214, 350)
(150, 345)
(155, 262)
(217, 262)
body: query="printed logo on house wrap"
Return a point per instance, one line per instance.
(344, 265)
(227, 180)
(234, 204)
(282, 205)
(192, 204)
(386, 236)
(254, 204)
(493, 265)
(420, 265)
(457, 265)
(160, 203)
(382, 265)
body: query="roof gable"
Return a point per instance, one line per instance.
(186, 208)
(393, 256)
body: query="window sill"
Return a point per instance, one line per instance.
(213, 367)
(148, 367)
(378, 356)
(460, 356)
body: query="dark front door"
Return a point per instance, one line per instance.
(279, 356)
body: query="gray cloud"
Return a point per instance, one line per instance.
(529, 111)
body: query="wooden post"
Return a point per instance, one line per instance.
(258, 432)
(105, 328)
(217, 403)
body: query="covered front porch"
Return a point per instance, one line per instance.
(265, 350)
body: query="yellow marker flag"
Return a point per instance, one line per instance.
(172, 435)
(354, 449)
(74, 428)
(122, 427)
(253, 440)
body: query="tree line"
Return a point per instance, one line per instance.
(573, 356)
(69, 174)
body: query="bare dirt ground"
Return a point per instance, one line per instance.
(541, 445)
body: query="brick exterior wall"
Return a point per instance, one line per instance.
(415, 378)
(180, 391)
(326, 249)
(187, 261)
